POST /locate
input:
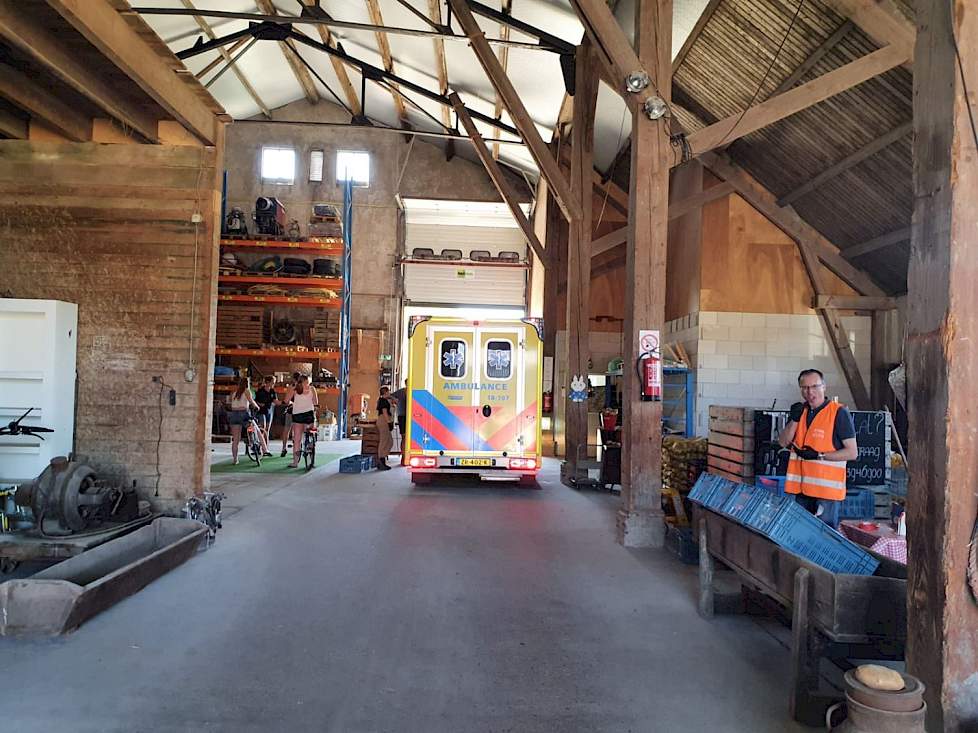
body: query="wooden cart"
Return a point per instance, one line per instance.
(832, 615)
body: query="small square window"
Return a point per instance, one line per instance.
(452, 352)
(278, 165)
(316, 166)
(499, 362)
(353, 166)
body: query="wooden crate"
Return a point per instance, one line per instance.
(731, 443)
(240, 326)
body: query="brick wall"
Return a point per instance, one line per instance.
(753, 359)
(109, 227)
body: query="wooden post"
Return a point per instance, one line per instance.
(640, 517)
(942, 368)
(706, 605)
(579, 254)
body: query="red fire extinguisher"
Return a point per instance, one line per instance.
(548, 402)
(650, 377)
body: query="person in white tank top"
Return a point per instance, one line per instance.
(304, 403)
(241, 402)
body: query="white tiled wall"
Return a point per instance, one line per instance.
(753, 359)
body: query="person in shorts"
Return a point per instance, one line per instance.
(287, 428)
(266, 399)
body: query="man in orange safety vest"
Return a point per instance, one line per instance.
(821, 437)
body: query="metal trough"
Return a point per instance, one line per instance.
(64, 596)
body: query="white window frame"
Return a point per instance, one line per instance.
(357, 184)
(465, 358)
(276, 180)
(485, 361)
(322, 165)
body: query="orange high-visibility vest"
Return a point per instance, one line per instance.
(819, 479)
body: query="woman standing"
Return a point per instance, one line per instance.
(304, 403)
(241, 402)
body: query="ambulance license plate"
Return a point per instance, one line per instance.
(473, 461)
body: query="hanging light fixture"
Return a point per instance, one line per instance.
(636, 82)
(655, 108)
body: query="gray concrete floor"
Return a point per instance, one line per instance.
(358, 603)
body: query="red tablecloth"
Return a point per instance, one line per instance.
(883, 541)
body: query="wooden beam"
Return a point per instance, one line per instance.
(611, 190)
(499, 179)
(640, 517)
(817, 55)
(837, 335)
(690, 41)
(609, 241)
(109, 32)
(225, 54)
(942, 370)
(699, 200)
(18, 29)
(880, 20)
(441, 65)
(877, 243)
(291, 54)
(504, 62)
(784, 105)
(21, 91)
(517, 111)
(377, 18)
(788, 221)
(854, 159)
(339, 68)
(855, 302)
(12, 126)
(677, 210)
(579, 253)
(219, 59)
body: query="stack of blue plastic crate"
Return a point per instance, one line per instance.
(782, 520)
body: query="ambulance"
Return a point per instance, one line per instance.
(474, 398)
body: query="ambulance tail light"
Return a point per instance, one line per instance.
(423, 462)
(523, 463)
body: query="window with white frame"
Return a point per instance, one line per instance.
(316, 166)
(278, 165)
(352, 165)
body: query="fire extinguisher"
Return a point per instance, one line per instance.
(548, 402)
(650, 377)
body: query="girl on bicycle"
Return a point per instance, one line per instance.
(241, 404)
(304, 403)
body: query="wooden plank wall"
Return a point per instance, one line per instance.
(109, 227)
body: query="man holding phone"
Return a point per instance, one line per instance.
(821, 437)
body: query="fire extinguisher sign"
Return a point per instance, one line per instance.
(648, 342)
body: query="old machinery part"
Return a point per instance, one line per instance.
(69, 498)
(270, 216)
(236, 224)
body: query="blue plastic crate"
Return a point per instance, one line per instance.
(805, 535)
(740, 502)
(356, 464)
(766, 510)
(858, 504)
(703, 488)
(774, 484)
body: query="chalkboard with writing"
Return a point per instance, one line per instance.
(872, 468)
(873, 438)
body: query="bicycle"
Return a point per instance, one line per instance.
(252, 440)
(308, 449)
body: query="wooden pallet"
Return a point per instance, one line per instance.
(242, 325)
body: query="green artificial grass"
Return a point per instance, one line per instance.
(273, 464)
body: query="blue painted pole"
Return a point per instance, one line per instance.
(344, 376)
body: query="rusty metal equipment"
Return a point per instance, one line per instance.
(68, 497)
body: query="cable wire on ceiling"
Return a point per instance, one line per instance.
(767, 73)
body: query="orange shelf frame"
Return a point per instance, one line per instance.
(276, 353)
(329, 245)
(229, 388)
(321, 282)
(333, 303)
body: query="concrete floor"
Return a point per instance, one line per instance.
(357, 603)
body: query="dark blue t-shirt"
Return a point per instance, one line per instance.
(844, 427)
